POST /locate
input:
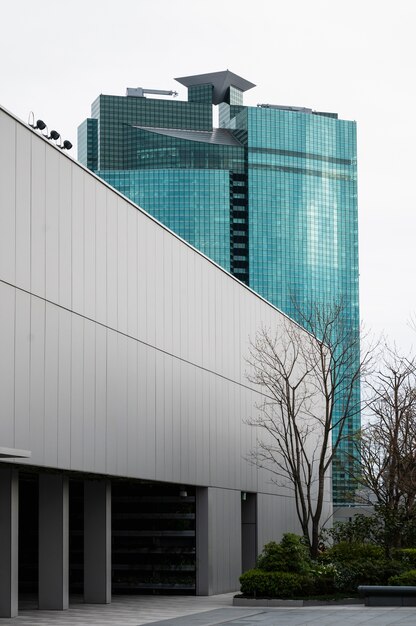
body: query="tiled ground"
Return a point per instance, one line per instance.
(123, 611)
(208, 611)
(308, 616)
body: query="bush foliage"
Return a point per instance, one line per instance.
(406, 578)
(357, 564)
(344, 552)
(385, 528)
(285, 570)
(268, 584)
(290, 555)
(350, 575)
(407, 556)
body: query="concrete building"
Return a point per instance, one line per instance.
(270, 195)
(123, 395)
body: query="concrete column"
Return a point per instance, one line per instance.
(218, 540)
(202, 543)
(53, 541)
(9, 522)
(97, 541)
(248, 530)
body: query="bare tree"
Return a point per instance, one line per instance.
(310, 383)
(387, 445)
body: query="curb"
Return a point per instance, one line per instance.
(266, 603)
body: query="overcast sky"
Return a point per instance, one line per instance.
(356, 58)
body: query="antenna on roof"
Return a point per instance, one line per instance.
(138, 92)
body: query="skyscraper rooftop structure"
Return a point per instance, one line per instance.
(270, 195)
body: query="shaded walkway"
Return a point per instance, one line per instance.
(123, 611)
(208, 611)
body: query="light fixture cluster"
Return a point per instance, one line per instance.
(53, 135)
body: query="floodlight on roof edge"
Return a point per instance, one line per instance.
(40, 124)
(67, 145)
(54, 135)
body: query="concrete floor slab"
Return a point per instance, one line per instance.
(123, 611)
(208, 611)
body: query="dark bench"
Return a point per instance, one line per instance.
(386, 595)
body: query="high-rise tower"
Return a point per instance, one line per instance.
(270, 195)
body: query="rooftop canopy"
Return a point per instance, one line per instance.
(218, 136)
(221, 81)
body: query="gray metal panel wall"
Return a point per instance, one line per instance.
(123, 348)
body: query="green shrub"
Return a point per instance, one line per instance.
(386, 528)
(350, 575)
(406, 578)
(286, 570)
(358, 564)
(364, 572)
(360, 529)
(323, 577)
(345, 552)
(391, 567)
(290, 555)
(259, 583)
(407, 556)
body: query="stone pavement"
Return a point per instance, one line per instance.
(123, 611)
(209, 611)
(313, 616)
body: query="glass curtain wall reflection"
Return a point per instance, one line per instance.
(270, 195)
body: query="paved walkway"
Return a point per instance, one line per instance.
(313, 616)
(123, 611)
(208, 611)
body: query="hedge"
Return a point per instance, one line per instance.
(346, 551)
(290, 555)
(258, 583)
(407, 578)
(407, 556)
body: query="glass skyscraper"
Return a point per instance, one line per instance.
(270, 195)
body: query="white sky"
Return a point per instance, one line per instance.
(356, 58)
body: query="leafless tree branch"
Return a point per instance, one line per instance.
(310, 381)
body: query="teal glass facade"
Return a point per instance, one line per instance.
(88, 143)
(271, 195)
(199, 214)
